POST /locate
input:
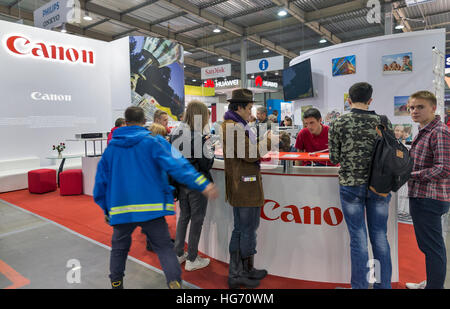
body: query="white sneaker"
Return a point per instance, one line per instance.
(416, 286)
(182, 258)
(197, 264)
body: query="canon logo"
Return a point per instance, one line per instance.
(22, 46)
(38, 96)
(272, 211)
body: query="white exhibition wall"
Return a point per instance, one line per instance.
(48, 97)
(329, 90)
(119, 52)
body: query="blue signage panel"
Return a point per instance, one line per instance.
(447, 61)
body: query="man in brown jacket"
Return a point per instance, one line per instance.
(244, 190)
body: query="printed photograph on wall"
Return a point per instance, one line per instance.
(344, 65)
(400, 106)
(347, 106)
(331, 116)
(157, 76)
(398, 63)
(403, 132)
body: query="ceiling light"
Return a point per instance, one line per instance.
(217, 30)
(87, 17)
(220, 59)
(63, 29)
(399, 27)
(322, 41)
(282, 13)
(265, 51)
(194, 80)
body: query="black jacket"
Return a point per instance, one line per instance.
(201, 156)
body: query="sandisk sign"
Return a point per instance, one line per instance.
(216, 71)
(20, 45)
(272, 211)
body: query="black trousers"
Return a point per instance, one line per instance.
(426, 215)
(192, 209)
(157, 233)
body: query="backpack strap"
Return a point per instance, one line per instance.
(384, 122)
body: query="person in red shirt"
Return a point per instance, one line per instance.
(314, 136)
(120, 122)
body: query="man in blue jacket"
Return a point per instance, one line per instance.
(132, 188)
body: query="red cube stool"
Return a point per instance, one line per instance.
(42, 180)
(71, 182)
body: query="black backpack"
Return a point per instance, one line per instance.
(391, 163)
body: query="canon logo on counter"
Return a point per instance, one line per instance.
(38, 96)
(272, 211)
(22, 46)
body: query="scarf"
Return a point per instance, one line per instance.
(232, 115)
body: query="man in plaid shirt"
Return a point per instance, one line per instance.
(429, 185)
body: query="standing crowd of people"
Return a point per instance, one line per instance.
(160, 165)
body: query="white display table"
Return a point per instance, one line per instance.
(302, 233)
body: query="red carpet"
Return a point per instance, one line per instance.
(80, 214)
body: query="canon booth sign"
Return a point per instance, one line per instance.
(55, 85)
(21, 45)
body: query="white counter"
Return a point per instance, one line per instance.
(302, 233)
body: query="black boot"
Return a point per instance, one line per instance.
(118, 284)
(250, 271)
(236, 278)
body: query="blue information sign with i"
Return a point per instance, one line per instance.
(263, 65)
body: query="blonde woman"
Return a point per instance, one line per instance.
(157, 129)
(192, 204)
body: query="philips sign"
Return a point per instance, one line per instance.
(56, 13)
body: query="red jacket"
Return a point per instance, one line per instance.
(110, 135)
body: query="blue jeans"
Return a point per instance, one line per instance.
(426, 215)
(358, 203)
(243, 237)
(157, 232)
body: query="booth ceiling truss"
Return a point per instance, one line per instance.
(196, 24)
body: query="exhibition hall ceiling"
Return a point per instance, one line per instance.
(211, 31)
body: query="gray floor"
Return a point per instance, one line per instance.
(51, 256)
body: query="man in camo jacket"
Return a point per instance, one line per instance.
(351, 142)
